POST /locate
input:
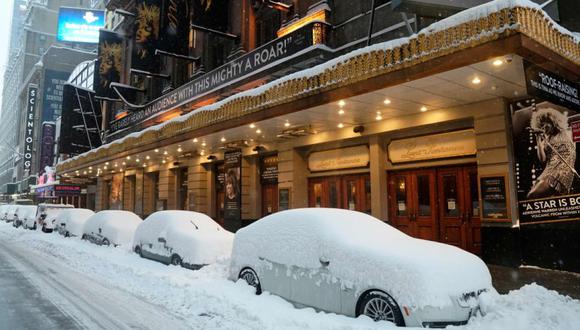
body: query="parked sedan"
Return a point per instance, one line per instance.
(47, 214)
(4, 210)
(8, 212)
(111, 227)
(350, 263)
(185, 238)
(24, 215)
(70, 222)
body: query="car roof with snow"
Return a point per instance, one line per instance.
(178, 218)
(26, 210)
(113, 215)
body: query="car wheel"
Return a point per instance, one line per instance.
(380, 306)
(250, 276)
(84, 237)
(137, 250)
(176, 260)
(105, 242)
(67, 234)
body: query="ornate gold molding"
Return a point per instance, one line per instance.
(349, 69)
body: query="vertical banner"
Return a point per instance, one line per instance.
(109, 63)
(146, 35)
(47, 146)
(29, 133)
(175, 25)
(233, 190)
(52, 95)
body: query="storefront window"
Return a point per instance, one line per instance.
(317, 194)
(401, 194)
(368, 208)
(424, 195)
(450, 195)
(351, 195)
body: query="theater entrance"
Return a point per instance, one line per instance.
(439, 204)
(351, 192)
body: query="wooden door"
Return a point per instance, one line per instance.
(412, 203)
(269, 199)
(473, 220)
(317, 196)
(460, 224)
(400, 201)
(356, 194)
(452, 206)
(325, 192)
(424, 198)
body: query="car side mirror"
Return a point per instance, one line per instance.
(161, 240)
(324, 261)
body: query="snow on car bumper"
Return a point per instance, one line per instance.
(439, 317)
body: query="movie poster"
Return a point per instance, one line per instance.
(233, 190)
(146, 35)
(546, 158)
(109, 63)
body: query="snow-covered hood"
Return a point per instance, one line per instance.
(419, 273)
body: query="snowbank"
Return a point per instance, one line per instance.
(206, 300)
(364, 253)
(194, 236)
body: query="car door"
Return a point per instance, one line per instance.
(274, 277)
(312, 284)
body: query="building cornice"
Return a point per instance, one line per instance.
(472, 28)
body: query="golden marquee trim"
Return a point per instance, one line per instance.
(362, 64)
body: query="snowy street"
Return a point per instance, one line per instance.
(51, 282)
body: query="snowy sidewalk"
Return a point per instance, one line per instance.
(507, 278)
(205, 299)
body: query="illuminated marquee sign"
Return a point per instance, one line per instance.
(79, 25)
(29, 135)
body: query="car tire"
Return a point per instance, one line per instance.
(249, 275)
(380, 306)
(105, 242)
(176, 260)
(67, 234)
(84, 237)
(137, 250)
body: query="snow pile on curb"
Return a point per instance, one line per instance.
(206, 300)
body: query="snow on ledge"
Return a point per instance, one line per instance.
(465, 16)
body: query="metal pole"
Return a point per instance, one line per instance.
(371, 23)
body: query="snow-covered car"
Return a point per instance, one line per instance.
(47, 214)
(186, 238)
(111, 227)
(8, 213)
(24, 215)
(70, 222)
(350, 263)
(4, 210)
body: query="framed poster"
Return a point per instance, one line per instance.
(283, 199)
(494, 198)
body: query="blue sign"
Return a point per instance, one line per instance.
(80, 25)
